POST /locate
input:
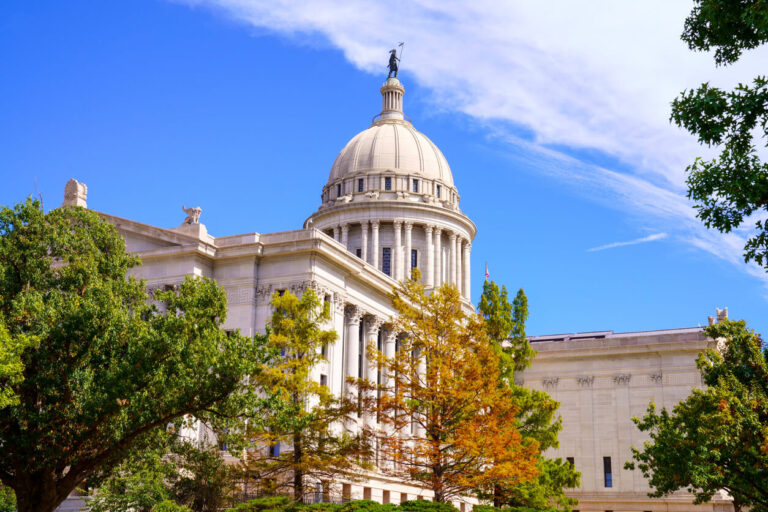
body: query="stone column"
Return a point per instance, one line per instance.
(397, 255)
(429, 266)
(408, 247)
(467, 280)
(345, 235)
(364, 241)
(336, 233)
(371, 369)
(438, 256)
(459, 281)
(352, 322)
(451, 277)
(375, 243)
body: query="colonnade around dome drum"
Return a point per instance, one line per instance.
(441, 254)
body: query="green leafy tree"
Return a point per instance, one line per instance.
(108, 369)
(537, 415)
(178, 471)
(298, 432)
(7, 499)
(717, 438)
(733, 188)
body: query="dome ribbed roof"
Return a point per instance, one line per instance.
(392, 146)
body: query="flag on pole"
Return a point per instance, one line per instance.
(487, 275)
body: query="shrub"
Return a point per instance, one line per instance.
(169, 506)
(270, 504)
(426, 506)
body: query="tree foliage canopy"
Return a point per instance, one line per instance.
(732, 188)
(446, 422)
(537, 417)
(303, 416)
(717, 438)
(105, 368)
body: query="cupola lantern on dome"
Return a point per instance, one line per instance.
(391, 201)
(392, 99)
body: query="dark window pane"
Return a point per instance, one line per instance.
(438, 191)
(359, 253)
(570, 460)
(360, 185)
(338, 190)
(608, 472)
(386, 260)
(414, 258)
(387, 183)
(416, 186)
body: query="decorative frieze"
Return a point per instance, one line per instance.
(657, 377)
(621, 379)
(550, 382)
(585, 380)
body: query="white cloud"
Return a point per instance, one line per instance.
(598, 75)
(649, 238)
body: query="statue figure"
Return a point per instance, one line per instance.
(193, 214)
(392, 63)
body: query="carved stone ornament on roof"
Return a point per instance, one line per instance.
(585, 380)
(344, 199)
(403, 195)
(373, 194)
(193, 214)
(622, 379)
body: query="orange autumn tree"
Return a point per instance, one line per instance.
(443, 420)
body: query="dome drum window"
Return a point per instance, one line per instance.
(388, 183)
(415, 186)
(360, 184)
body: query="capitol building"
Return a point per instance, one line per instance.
(391, 205)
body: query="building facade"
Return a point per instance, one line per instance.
(389, 206)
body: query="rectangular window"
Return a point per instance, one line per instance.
(570, 461)
(323, 380)
(338, 190)
(415, 186)
(324, 350)
(385, 497)
(607, 471)
(386, 260)
(359, 252)
(367, 493)
(437, 191)
(387, 183)
(274, 450)
(360, 185)
(414, 258)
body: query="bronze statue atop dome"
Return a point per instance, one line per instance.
(392, 63)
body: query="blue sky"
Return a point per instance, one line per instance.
(554, 121)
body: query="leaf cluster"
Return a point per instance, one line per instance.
(732, 188)
(446, 421)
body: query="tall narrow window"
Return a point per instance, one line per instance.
(414, 258)
(274, 450)
(360, 185)
(386, 260)
(359, 252)
(437, 193)
(608, 472)
(338, 190)
(387, 183)
(415, 186)
(323, 380)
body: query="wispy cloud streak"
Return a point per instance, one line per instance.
(573, 79)
(649, 238)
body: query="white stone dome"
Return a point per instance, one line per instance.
(392, 146)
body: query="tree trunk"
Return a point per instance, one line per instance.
(298, 473)
(497, 496)
(38, 494)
